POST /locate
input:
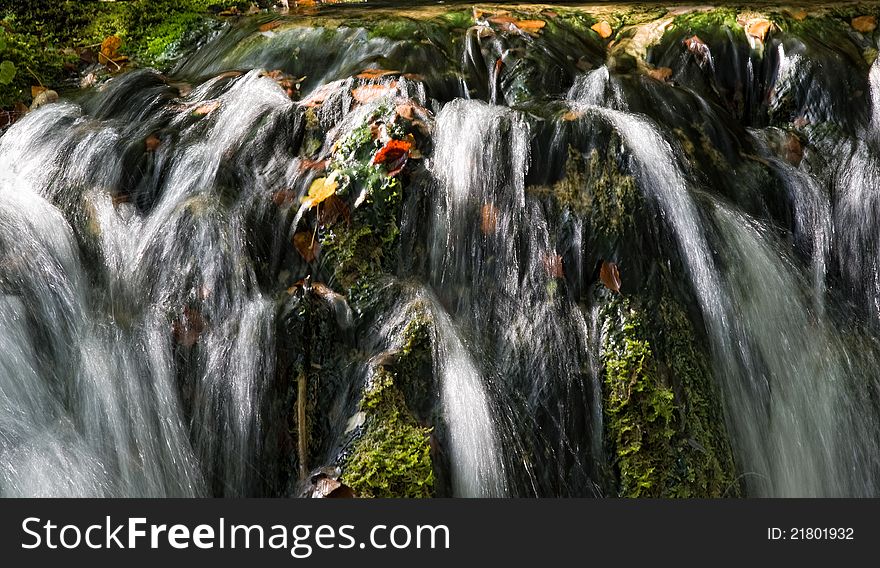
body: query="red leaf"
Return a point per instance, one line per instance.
(394, 155)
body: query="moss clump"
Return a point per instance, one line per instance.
(393, 458)
(663, 422)
(597, 188)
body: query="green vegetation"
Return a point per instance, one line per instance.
(663, 421)
(393, 458)
(44, 39)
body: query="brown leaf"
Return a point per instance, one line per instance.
(864, 24)
(152, 142)
(610, 276)
(758, 29)
(187, 328)
(373, 74)
(553, 264)
(109, 50)
(333, 209)
(36, 90)
(319, 95)
(532, 27)
(283, 197)
(488, 219)
(270, 25)
(314, 165)
(572, 115)
(306, 245)
(660, 73)
(368, 93)
(602, 28)
(207, 108)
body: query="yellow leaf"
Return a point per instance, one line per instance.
(321, 189)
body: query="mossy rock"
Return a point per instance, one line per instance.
(393, 457)
(663, 422)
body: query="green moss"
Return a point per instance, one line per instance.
(663, 422)
(595, 186)
(393, 458)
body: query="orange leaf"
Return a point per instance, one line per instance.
(109, 49)
(758, 28)
(270, 25)
(35, 90)
(306, 245)
(610, 276)
(602, 28)
(530, 26)
(394, 154)
(572, 115)
(864, 24)
(372, 74)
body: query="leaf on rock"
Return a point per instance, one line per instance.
(373, 74)
(334, 209)
(319, 95)
(110, 52)
(602, 28)
(283, 197)
(187, 328)
(207, 108)
(553, 264)
(152, 142)
(321, 189)
(864, 24)
(660, 73)
(488, 219)
(758, 28)
(369, 93)
(394, 155)
(610, 276)
(36, 90)
(270, 25)
(306, 245)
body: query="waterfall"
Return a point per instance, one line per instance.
(201, 272)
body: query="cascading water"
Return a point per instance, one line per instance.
(176, 252)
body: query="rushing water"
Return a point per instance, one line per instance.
(143, 290)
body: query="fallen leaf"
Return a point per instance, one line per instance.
(283, 197)
(187, 328)
(333, 210)
(306, 245)
(758, 28)
(270, 25)
(313, 165)
(152, 142)
(46, 97)
(571, 115)
(110, 52)
(321, 189)
(660, 73)
(864, 24)
(206, 108)
(488, 219)
(394, 154)
(373, 74)
(368, 93)
(553, 265)
(696, 46)
(36, 90)
(610, 276)
(602, 28)
(532, 27)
